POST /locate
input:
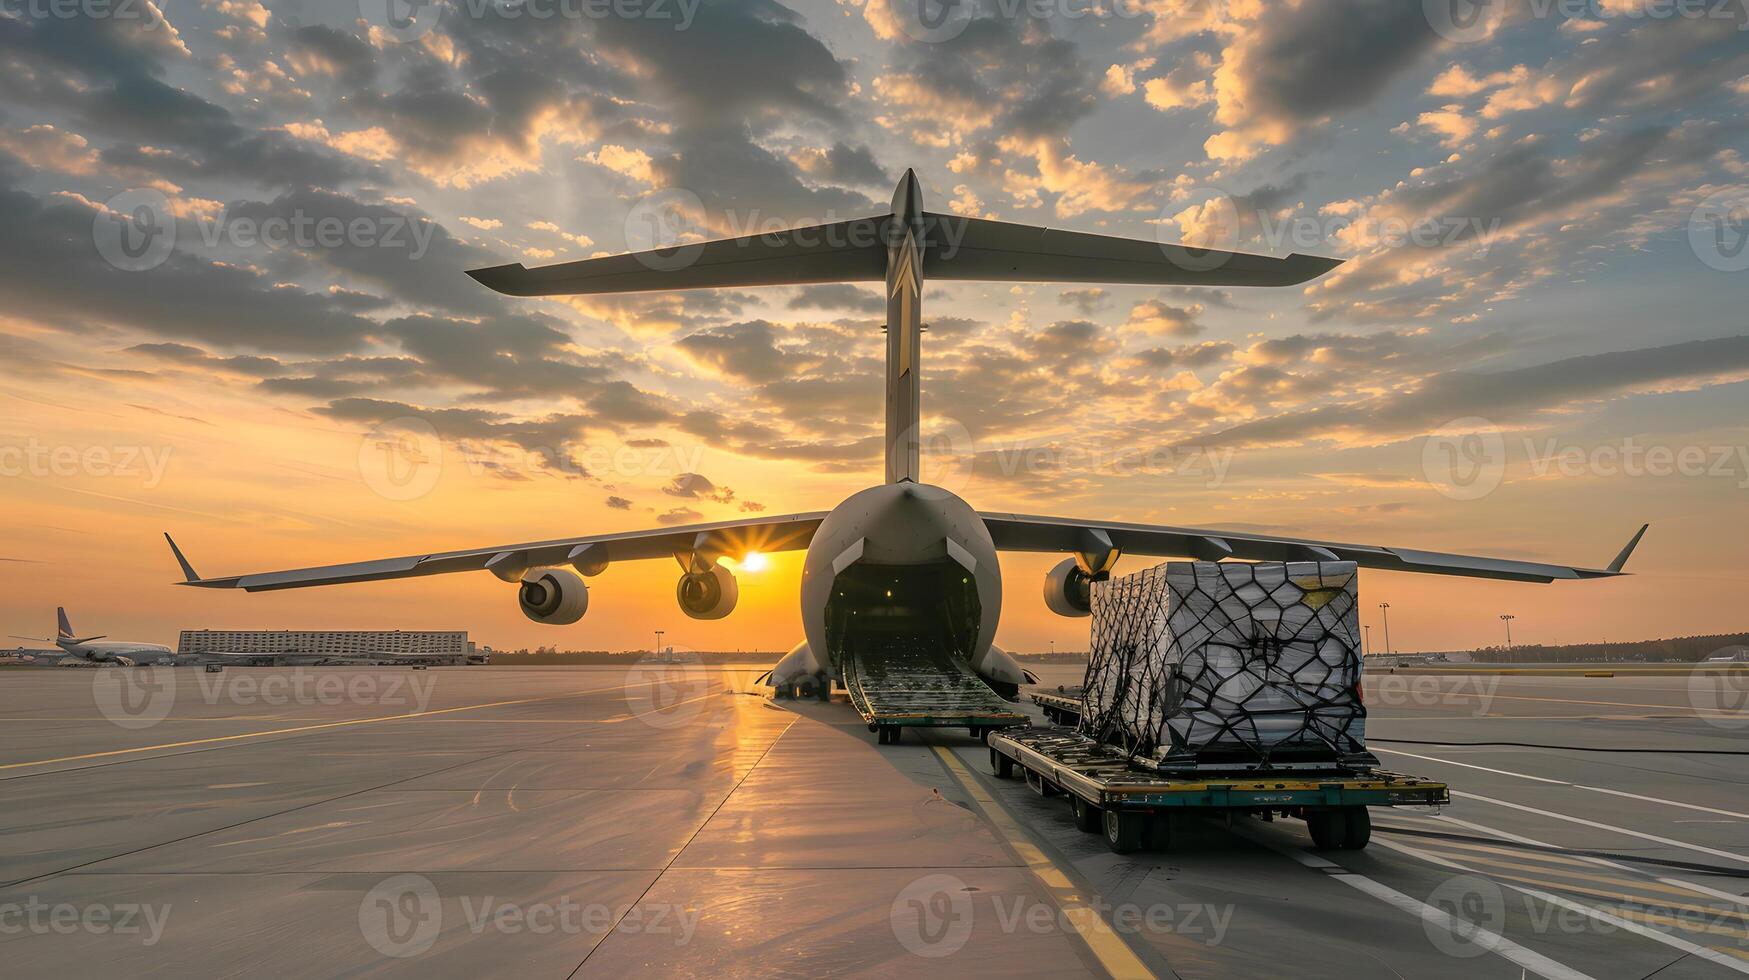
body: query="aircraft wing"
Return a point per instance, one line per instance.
(1001, 251)
(733, 539)
(1016, 532)
(845, 251)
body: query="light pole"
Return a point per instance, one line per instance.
(1507, 618)
(659, 643)
(1366, 641)
(1385, 611)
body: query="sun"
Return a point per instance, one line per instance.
(753, 562)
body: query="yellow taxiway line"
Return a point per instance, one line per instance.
(1113, 953)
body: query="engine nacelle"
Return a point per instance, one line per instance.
(1069, 590)
(553, 595)
(709, 594)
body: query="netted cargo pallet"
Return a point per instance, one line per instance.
(1201, 665)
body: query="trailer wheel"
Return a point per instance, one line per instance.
(1329, 828)
(823, 690)
(1001, 765)
(1358, 827)
(1087, 816)
(1123, 831)
(884, 735)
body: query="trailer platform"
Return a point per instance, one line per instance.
(1132, 805)
(911, 686)
(1062, 706)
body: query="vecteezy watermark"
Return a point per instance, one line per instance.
(666, 689)
(938, 21)
(400, 20)
(668, 230)
(1475, 912)
(1469, 21)
(142, 11)
(1431, 691)
(933, 916)
(135, 231)
(144, 696)
(1199, 228)
(1720, 693)
(409, 20)
(1466, 458)
(403, 916)
(35, 917)
(401, 459)
(41, 460)
(1391, 231)
(1718, 229)
(1471, 912)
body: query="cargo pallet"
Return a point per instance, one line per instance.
(1062, 707)
(1132, 805)
(912, 686)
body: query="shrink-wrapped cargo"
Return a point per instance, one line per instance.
(1204, 665)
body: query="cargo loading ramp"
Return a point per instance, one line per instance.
(901, 685)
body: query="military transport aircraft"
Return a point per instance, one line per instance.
(904, 564)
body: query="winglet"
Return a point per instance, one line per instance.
(189, 575)
(1622, 559)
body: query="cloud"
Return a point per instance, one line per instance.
(1504, 397)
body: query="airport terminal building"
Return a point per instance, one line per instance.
(440, 646)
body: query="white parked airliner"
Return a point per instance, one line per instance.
(96, 649)
(903, 565)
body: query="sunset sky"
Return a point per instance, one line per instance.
(1541, 216)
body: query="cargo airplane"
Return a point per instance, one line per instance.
(902, 565)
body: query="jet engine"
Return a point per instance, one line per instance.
(553, 595)
(1069, 590)
(707, 594)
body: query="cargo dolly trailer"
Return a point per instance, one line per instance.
(1131, 804)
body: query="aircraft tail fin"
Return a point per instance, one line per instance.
(64, 630)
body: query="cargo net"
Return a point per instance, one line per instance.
(1202, 664)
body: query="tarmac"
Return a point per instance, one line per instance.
(674, 821)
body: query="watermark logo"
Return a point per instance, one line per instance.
(1718, 230)
(1464, 459)
(401, 20)
(41, 460)
(947, 455)
(1203, 226)
(1067, 19)
(36, 917)
(1477, 910)
(1432, 691)
(1464, 21)
(401, 916)
(134, 698)
(1721, 696)
(667, 689)
(136, 230)
(932, 21)
(401, 459)
(933, 916)
(666, 229)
